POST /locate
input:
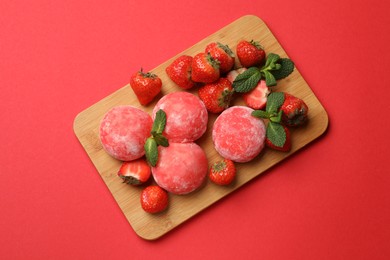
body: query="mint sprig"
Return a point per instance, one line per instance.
(275, 68)
(275, 131)
(157, 138)
(247, 80)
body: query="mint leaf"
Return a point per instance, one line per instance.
(247, 80)
(272, 58)
(276, 134)
(270, 80)
(276, 118)
(286, 68)
(261, 114)
(161, 140)
(274, 101)
(151, 151)
(159, 122)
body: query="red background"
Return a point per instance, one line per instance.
(329, 201)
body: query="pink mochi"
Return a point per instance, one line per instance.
(237, 135)
(181, 167)
(186, 116)
(123, 132)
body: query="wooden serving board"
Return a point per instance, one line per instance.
(181, 208)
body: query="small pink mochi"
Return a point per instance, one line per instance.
(186, 116)
(123, 132)
(237, 135)
(181, 167)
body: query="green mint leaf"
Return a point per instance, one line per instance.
(276, 134)
(286, 68)
(276, 118)
(272, 58)
(270, 80)
(261, 114)
(151, 151)
(159, 122)
(274, 101)
(247, 80)
(161, 140)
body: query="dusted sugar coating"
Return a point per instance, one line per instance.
(186, 116)
(237, 135)
(181, 167)
(123, 132)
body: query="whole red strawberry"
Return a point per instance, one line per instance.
(222, 172)
(179, 71)
(216, 96)
(146, 86)
(154, 199)
(287, 143)
(135, 172)
(250, 53)
(223, 54)
(294, 110)
(205, 68)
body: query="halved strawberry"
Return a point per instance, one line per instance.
(257, 97)
(135, 172)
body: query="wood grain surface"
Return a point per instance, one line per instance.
(181, 208)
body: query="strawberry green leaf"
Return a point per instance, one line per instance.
(247, 80)
(151, 151)
(161, 140)
(276, 134)
(270, 80)
(286, 68)
(159, 122)
(261, 114)
(274, 101)
(226, 48)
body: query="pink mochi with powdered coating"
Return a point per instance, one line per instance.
(181, 167)
(237, 135)
(123, 132)
(186, 116)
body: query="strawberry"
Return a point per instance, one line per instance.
(205, 68)
(294, 110)
(250, 53)
(287, 142)
(222, 172)
(216, 96)
(257, 97)
(146, 86)
(232, 75)
(135, 172)
(154, 199)
(179, 71)
(223, 54)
